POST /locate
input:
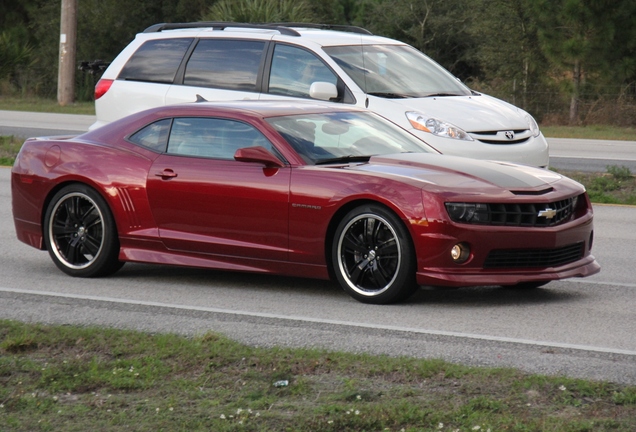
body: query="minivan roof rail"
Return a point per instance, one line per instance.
(348, 28)
(219, 26)
(282, 28)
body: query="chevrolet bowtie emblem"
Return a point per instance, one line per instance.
(547, 213)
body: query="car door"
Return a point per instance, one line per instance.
(204, 201)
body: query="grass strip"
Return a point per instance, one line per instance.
(69, 378)
(616, 186)
(8, 103)
(601, 132)
(9, 148)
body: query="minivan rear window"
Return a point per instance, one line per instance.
(225, 63)
(156, 61)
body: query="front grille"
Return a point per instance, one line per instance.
(499, 142)
(514, 214)
(528, 215)
(525, 258)
(500, 137)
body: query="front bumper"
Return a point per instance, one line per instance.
(435, 266)
(582, 268)
(533, 152)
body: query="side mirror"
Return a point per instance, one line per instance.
(323, 91)
(257, 154)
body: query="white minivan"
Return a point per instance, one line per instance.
(177, 63)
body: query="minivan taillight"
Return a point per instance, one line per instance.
(102, 87)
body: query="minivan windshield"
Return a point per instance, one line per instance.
(395, 71)
(349, 136)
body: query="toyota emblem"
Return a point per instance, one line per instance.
(509, 134)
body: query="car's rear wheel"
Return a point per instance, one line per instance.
(80, 233)
(373, 256)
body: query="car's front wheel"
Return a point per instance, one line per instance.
(80, 233)
(373, 256)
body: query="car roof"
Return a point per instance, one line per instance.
(240, 109)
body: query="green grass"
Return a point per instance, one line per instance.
(590, 132)
(9, 147)
(45, 105)
(616, 186)
(63, 378)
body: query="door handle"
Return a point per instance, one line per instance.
(166, 174)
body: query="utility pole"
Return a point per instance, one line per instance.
(68, 45)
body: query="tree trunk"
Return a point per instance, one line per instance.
(574, 102)
(68, 46)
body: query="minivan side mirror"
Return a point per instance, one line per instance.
(323, 91)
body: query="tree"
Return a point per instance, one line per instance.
(260, 11)
(507, 48)
(577, 35)
(439, 28)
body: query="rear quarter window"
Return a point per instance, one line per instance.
(154, 136)
(156, 61)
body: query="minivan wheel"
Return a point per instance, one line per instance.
(80, 233)
(373, 257)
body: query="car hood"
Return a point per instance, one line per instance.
(452, 172)
(471, 113)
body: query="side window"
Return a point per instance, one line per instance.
(156, 61)
(294, 70)
(154, 136)
(226, 64)
(213, 138)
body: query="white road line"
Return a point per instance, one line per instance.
(616, 159)
(328, 321)
(594, 282)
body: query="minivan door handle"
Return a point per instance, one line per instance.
(166, 174)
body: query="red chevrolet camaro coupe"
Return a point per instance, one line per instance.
(301, 189)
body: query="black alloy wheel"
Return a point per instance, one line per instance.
(373, 256)
(80, 233)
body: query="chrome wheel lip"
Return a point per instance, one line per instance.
(345, 274)
(81, 230)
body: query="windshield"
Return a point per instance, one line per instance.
(395, 71)
(345, 136)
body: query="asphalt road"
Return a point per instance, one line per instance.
(29, 124)
(565, 154)
(579, 328)
(591, 155)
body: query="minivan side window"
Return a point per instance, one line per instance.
(226, 64)
(294, 70)
(156, 61)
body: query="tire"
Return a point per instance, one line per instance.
(373, 256)
(80, 233)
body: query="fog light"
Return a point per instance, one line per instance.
(460, 253)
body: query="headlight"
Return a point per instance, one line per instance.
(532, 123)
(436, 126)
(468, 212)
